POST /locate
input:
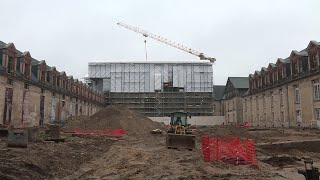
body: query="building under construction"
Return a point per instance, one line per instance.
(156, 88)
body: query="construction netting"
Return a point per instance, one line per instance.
(229, 149)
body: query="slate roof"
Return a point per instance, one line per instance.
(240, 82)
(301, 53)
(2, 44)
(218, 91)
(264, 69)
(272, 65)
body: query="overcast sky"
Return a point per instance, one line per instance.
(243, 35)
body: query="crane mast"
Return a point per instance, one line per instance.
(167, 41)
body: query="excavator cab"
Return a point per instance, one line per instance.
(179, 134)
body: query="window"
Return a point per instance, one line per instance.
(10, 64)
(317, 114)
(18, 65)
(251, 105)
(296, 67)
(281, 97)
(257, 103)
(48, 77)
(246, 105)
(232, 105)
(42, 91)
(272, 101)
(53, 93)
(27, 70)
(258, 118)
(283, 72)
(297, 94)
(298, 115)
(264, 101)
(265, 116)
(316, 90)
(282, 116)
(272, 116)
(318, 59)
(10, 81)
(26, 86)
(0, 57)
(300, 67)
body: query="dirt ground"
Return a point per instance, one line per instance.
(140, 155)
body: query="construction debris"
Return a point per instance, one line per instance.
(54, 133)
(156, 131)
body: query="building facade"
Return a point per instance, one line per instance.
(33, 93)
(236, 87)
(157, 88)
(287, 93)
(218, 104)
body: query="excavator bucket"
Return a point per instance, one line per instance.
(180, 141)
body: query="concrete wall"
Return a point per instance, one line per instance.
(194, 120)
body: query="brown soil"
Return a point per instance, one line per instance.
(141, 155)
(282, 160)
(114, 117)
(46, 159)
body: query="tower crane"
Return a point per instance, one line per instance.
(167, 41)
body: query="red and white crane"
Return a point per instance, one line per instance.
(167, 41)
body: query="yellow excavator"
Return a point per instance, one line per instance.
(180, 134)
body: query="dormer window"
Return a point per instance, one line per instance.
(18, 65)
(10, 65)
(43, 76)
(296, 67)
(1, 58)
(300, 67)
(27, 70)
(283, 72)
(58, 81)
(318, 59)
(48, 77)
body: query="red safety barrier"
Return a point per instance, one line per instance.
(113, 132)
(229, 149)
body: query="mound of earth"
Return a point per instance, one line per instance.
(114, 117)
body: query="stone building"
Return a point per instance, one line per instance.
(236, 87)
(286, 93)
(33, 93)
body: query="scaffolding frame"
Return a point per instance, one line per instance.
(140, 86)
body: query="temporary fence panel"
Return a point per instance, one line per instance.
(229, 149)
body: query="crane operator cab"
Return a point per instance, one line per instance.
(180, 134)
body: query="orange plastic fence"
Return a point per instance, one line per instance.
(229, 149)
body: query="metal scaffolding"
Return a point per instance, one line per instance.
(156, 88)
